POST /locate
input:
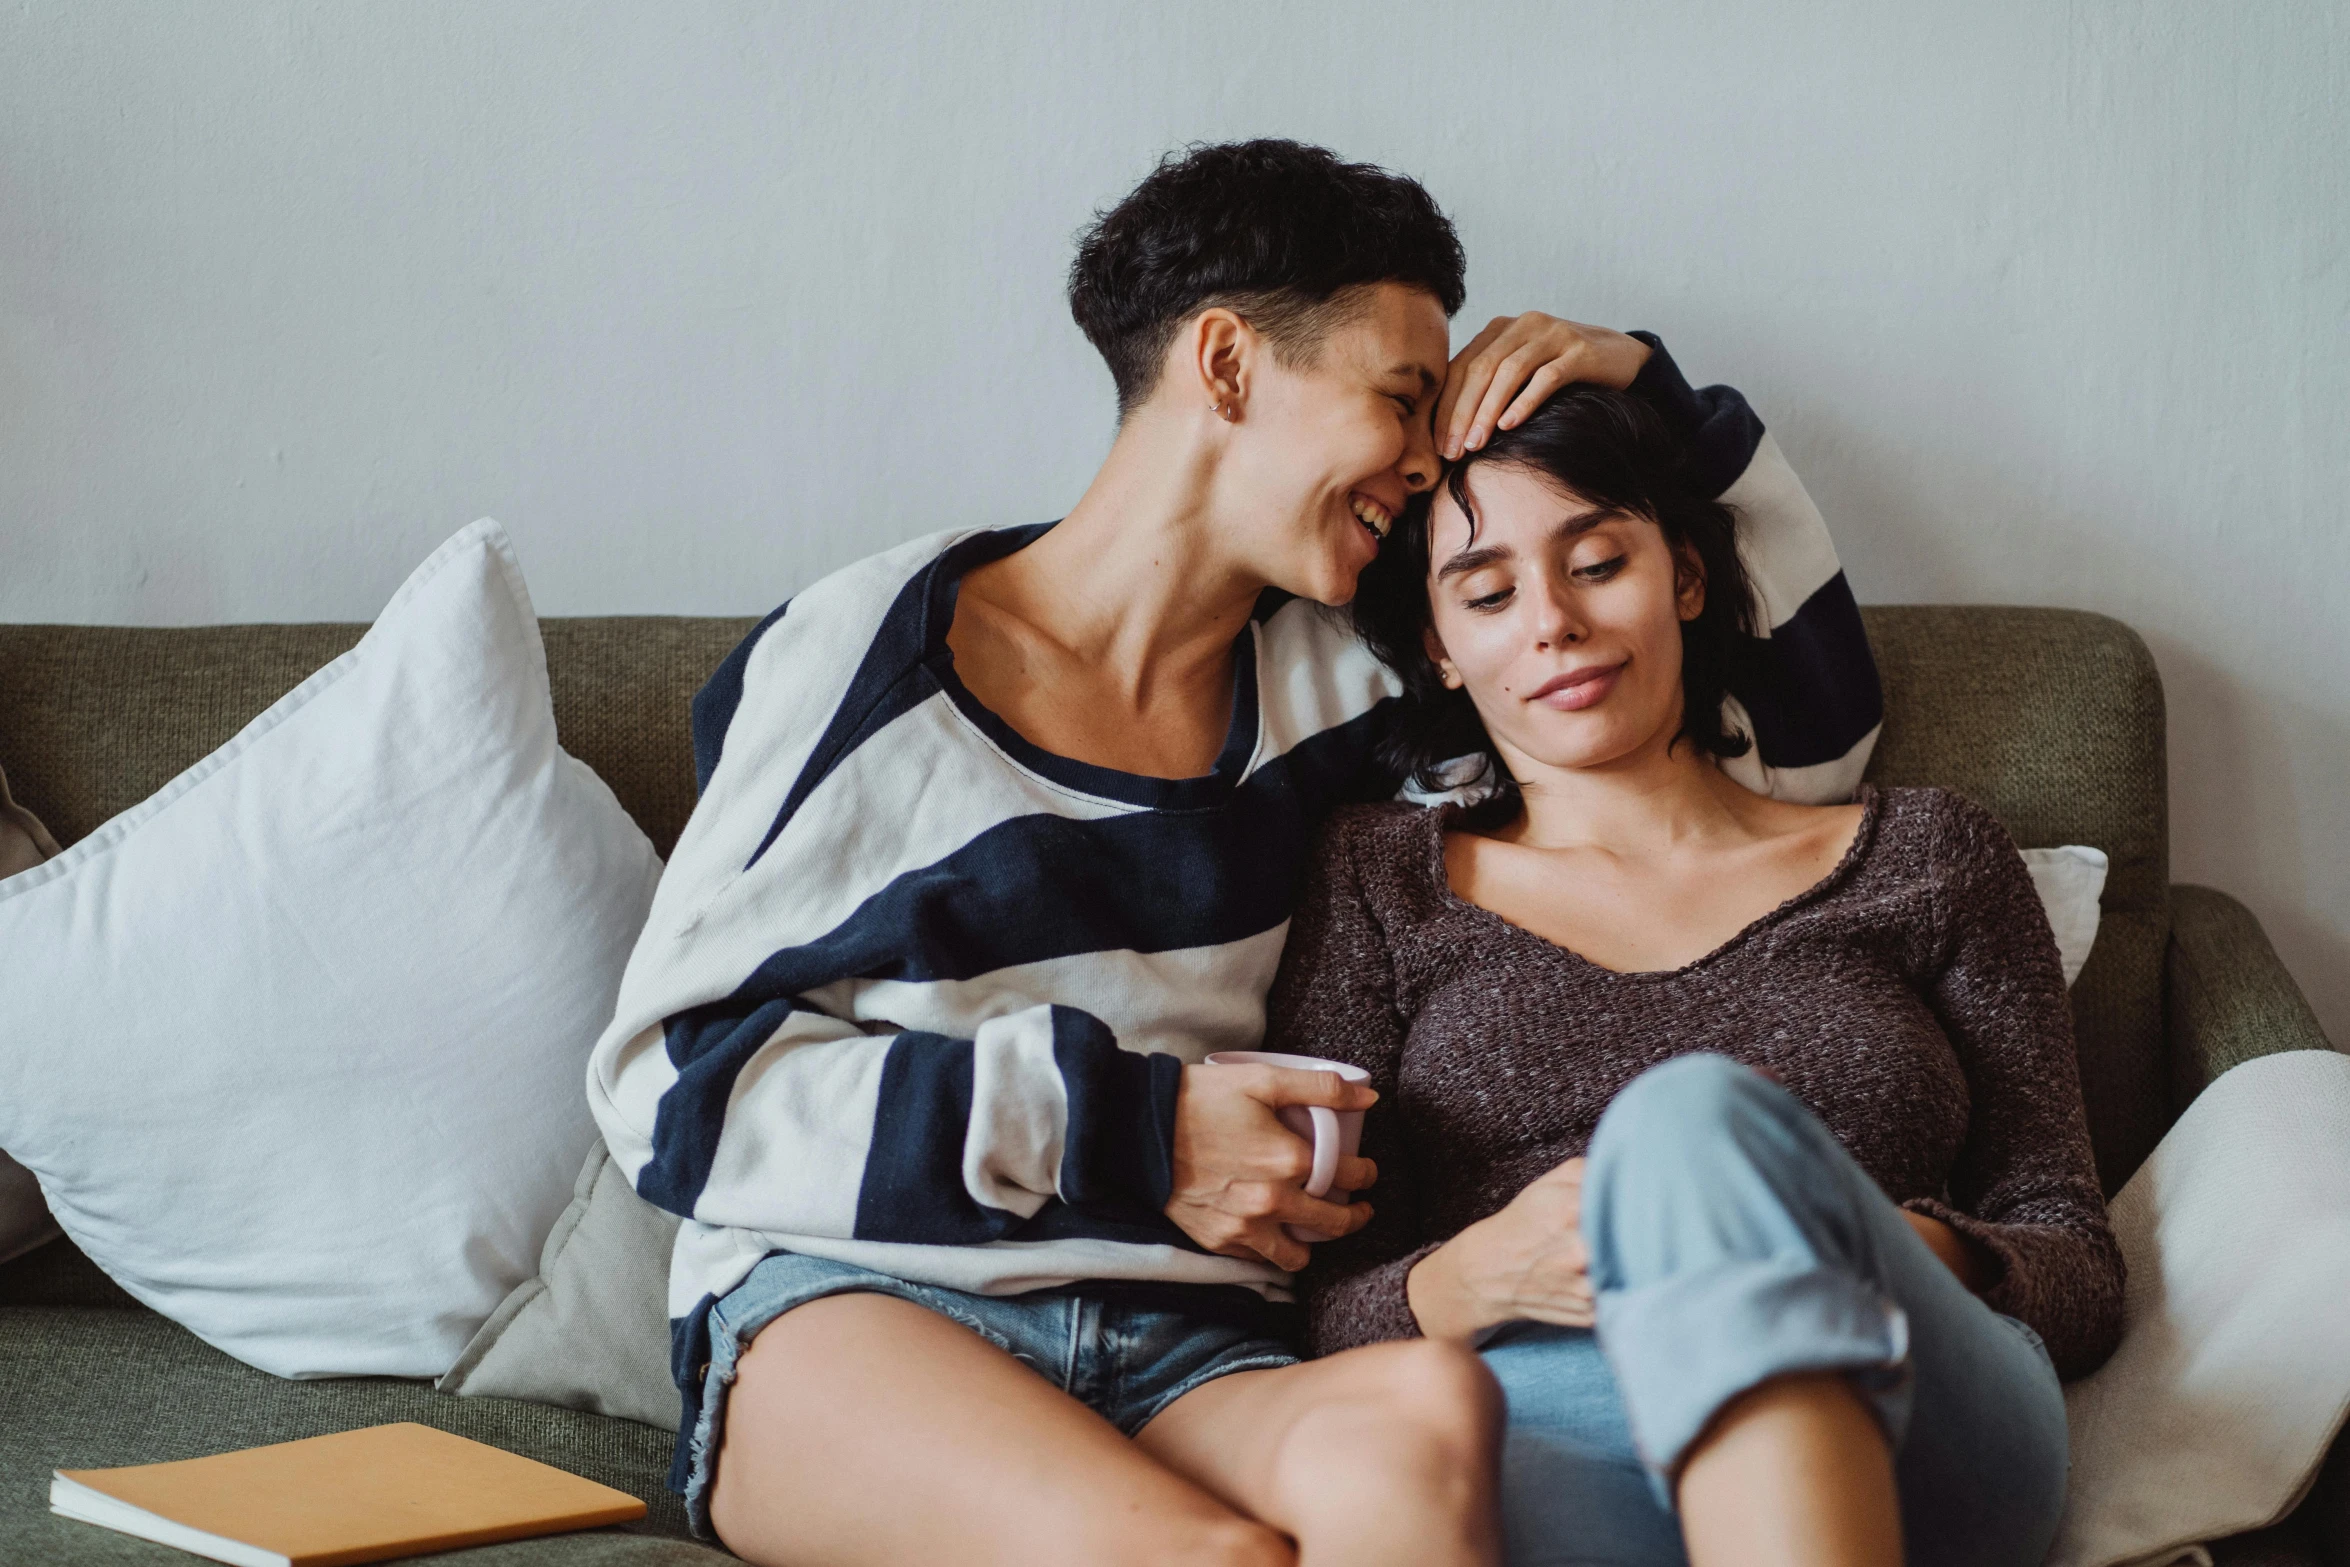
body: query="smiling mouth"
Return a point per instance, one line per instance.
(1577, 689)
(1371, 514)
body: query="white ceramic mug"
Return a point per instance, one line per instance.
(1335, 1134)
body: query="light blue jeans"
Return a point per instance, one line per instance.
(1732, 1241)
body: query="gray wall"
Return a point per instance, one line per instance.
(2049, 303)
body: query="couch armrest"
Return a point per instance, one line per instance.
(2227, 997)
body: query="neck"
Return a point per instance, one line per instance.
(1655, 799)
(1137, 580)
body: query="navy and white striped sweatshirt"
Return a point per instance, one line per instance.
(916, 995)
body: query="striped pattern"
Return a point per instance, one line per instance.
(915, 994)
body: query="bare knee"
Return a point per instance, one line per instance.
(1423, 1403)
(1444, 1389)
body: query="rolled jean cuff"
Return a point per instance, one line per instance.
(1685, 1346)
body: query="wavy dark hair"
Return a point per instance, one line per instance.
(1614, 450)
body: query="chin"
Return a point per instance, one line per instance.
(1583, 752)
(1328, 582)
(1337, 592)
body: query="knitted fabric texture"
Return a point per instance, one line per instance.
(1912, 999)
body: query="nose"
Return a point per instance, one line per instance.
(1420, 463)
(1558, 622)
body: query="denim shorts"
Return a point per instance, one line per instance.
(1125, 1358)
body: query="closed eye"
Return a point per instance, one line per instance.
(1490, 602)
(1602, 570)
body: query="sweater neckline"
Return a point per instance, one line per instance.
(1869, 798)
(1203, 792)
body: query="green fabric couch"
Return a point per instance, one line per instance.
(2052, 718)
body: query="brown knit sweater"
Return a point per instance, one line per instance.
(1912, 999)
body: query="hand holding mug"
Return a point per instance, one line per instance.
(1254, 1134)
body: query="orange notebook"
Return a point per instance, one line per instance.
(358, 1496)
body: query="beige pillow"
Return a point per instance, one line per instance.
(24, 1216)
(2233, 1376)
(592, 1330)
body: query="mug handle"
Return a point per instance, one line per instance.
(1325, 1172)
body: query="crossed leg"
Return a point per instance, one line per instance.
(1384, 1454)
(865, 1429)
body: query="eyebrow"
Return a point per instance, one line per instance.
(1427, 378)
(1486, 554)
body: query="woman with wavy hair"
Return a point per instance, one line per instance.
(1743, 1137)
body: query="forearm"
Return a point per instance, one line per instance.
(2062, 1281)
(1442, 1305)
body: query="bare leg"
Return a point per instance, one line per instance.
(1378, 1455)
(864, 1429)
(1795, 1472)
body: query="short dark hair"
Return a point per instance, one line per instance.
(1610, 448)
(1277, 231)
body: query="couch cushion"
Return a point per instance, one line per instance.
(93, 719)
(2053, 719)
(88, 1389)
(623, 687)
(58, 1274)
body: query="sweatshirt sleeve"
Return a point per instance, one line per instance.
(779, 1118)
(1335, 997)
(2025, 1184)
(1807, 690)
(736, 1086)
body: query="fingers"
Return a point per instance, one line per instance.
(1449, 432)
(1282, 1249)
(1281, 1085)
(1253, 1242)
(1547, 379)
(1470, 377)
(1515, 364)
(1265, 1231)
(1507, 380)
(1356, 1175)
(1560, 1313)
(1314, 1213)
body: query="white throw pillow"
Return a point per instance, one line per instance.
(2233, 1375)
(2069, 880)
(296, 1045)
